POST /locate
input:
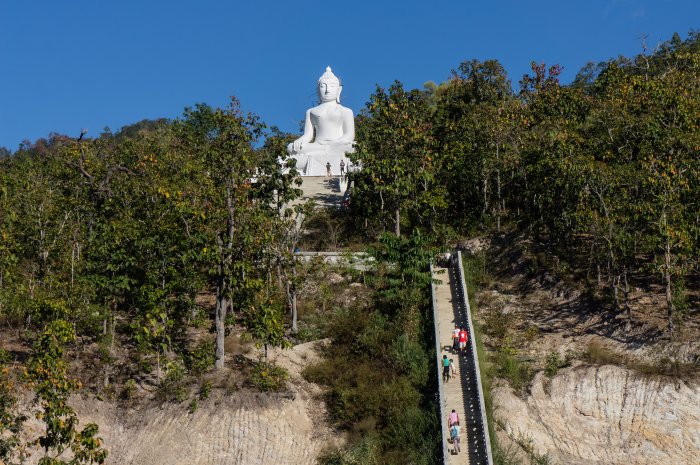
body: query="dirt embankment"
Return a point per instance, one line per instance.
(605, 415)
(232, 427)
(628, 393)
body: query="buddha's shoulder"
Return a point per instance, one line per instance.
(322, 110)
(345, 110)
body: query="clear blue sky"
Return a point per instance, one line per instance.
(69, 64)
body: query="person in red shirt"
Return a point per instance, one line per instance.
(462, 339)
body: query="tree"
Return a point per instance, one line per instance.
(240, 191)
(11, 449)
(395, 149)
(46, 373)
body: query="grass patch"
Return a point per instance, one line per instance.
(597, 354)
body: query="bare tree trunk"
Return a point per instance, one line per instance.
(616, 285)
(381, 209)
(72, 264)
(667, 279)
(108, 365)
(397, 229)
(498, 188)
(294, 312)
(626, 294)
(222, 301)
(220, 323)
(220, 313)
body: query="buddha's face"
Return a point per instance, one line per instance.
(328, 90)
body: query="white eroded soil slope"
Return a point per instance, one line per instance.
(605, 415)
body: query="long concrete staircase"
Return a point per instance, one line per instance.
(463, 393)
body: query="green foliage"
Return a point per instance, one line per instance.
(129, 390)
(194, 405)
(603, 175)
(396, 149)
(205, 390)
(265, 323)
(11, 420)
(554, 362)
(377, 367)
(268, 376)
(46, 373)
(132, 226)
(173, 386)
(201, 357)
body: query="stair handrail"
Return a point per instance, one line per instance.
(472, 340)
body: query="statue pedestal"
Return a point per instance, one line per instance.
(315, 164)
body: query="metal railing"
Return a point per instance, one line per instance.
(481, 450)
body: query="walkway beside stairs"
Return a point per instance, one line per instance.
(463, 392)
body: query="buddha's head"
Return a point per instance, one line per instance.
(329, 87)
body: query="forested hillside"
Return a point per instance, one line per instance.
(115, 243)
(603, 173)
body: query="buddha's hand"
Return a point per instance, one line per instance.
(297, 145)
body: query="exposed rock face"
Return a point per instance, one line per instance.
(236, 431)
(605, 415)
(233, 428)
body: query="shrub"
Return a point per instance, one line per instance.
(205, 390)
(268, 376)
(554, 363)
(498, 323)
(173, 386)
(201, 357)
(129, 391)
(509, 367)
(194, 405)
(411, 359)
(366, 452)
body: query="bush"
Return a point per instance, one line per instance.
(201, 357)
(194, 405)
(498, 323)
(366, 452)
(509, 367)
(554, 363)
(129, 391)
(205, 390)
(268, 376)
(173, 386)
(410, 359)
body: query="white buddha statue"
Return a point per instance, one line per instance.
(329, 132)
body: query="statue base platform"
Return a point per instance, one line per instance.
(315, 164)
